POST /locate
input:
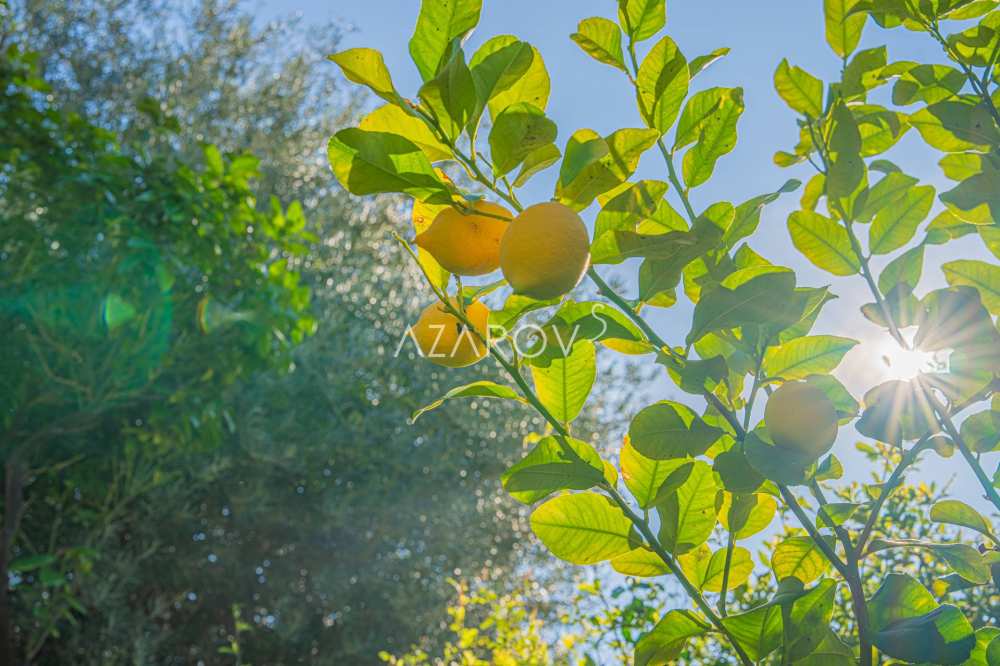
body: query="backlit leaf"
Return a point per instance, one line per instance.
(582, 528)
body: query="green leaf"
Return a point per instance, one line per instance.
(601, 39)
(963, 559)
(507, 71)
(629, 204)
(900, 597)
(904, 269)
(809, 617)
(366, 66)
(802, 91)
(758, 516)
(641, 562)
(982, 276)
(798, 557)
(747, 216)
(582, 528)
(909, 624)
(480, 389)
(705, 569)
(831, 651)
(824, 242)
(593, 165)
(701, 63)
(954, 512)
(698, 112)
(29, 563)
(801, 357)
(847, 169)
(787, 466)
(758, 630)
(536, 161)
(670, 251)
(666, 430)
(843, 29)
(981, 656)
(688, 515)
(518, 131)
(439, 24)
(735, 472)
(646, 477)
(895, 411)
(377, 162)
(549, 467)
(642, 18)
(956, 125)
(667, 639)
(885, 193)
(564, 384)
(393, 119)
(894, 225)
(717, 137)
(863, 72)
(451, 96)
(981, 431)
(662, 84)
(752, 302)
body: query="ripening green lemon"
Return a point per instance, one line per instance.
(545, 251)
(799, 416)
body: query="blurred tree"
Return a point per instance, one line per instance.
(134, 290)
(320, 514)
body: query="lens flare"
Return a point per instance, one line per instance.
(903, 363)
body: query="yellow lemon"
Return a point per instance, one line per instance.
(799, 416)
(445, 340)
(467, 244)
(545, 252)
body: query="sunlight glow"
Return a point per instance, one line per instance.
(899, 363)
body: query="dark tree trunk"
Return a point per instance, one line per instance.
(13, 504)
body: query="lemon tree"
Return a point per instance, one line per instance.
(710, 469)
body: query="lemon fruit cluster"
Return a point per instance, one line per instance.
(444, 338)
(543, 253)
(801, 417)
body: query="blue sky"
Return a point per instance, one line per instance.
(586, 93)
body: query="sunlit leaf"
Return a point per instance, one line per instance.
(367, 67)
(802, 91)
(668, 429)
(582, 528)
(439, 24)
(798, 557)
(376, 162)
(843, 29)
(688, 515)
(480, 389)
(824, 242)
(601, 39)
(801, 357)
(667, 639)
(662, 84)
(564, 384)
(555, 463)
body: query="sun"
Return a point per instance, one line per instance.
(900, 363)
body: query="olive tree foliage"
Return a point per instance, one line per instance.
(696, 478)
(316, 510)
(123, 275)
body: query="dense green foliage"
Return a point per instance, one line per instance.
(691, 485)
